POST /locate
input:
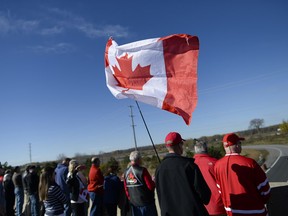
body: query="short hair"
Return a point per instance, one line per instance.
(200, 146)
(16, 169)
(95, 160)
(66, 160)
(135, 156)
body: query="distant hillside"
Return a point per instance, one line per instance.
(266, 135)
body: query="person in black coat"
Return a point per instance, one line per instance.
(181, 188)
(9, 193)
(32, 182)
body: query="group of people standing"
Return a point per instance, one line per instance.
(101, 192)
(21, 191)
(233, 185)
(60, 191)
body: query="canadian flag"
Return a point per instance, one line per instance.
(161, 72)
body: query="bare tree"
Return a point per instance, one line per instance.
(256, 124)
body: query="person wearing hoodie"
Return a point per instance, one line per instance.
(61, 173)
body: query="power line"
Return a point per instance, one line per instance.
(241, 82)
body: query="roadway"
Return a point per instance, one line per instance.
(276, 161)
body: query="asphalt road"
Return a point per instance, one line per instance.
(277, 161)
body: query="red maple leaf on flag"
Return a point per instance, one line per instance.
(127, 78)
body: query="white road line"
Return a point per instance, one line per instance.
(280, 155)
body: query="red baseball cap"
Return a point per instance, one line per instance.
(173, 138)
(231, 139)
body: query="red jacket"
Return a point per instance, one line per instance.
(243, 185)
(95, 180)
(206, 165)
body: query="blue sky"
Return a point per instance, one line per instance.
(53, 92)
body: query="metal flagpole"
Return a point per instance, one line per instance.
(148, 132)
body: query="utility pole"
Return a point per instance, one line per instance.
(133, 126)
(30, 155)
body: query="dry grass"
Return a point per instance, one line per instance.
(254, 154)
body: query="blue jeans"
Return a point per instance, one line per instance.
(97, 204)
(67, 206)
(34, 200)
(19, 195)
(67, 209)
(148, 210)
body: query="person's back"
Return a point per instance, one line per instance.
(50, 193)
(139, 187)
(19, 192)
(9, 192)
(180, 185)
(2, 199)
(54, 204)
(206, 165)
(17, 179)
(2, 195)
(138, 192)
(27, 203)
(112, 187)
(179, 178)
(95, 187)
(33, 184)
(242, 183)
(61, 173)
(239, 178)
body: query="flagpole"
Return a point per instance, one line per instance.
(148, 132)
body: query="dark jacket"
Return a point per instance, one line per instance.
(73, 185)
(181, 187)
(112, 188)
(137, 188)
(32, 180)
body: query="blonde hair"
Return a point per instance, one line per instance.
(72, 165)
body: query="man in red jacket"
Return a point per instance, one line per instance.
(206, 164)
(95, 187)
(242, 183)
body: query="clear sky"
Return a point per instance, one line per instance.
(53, 91)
